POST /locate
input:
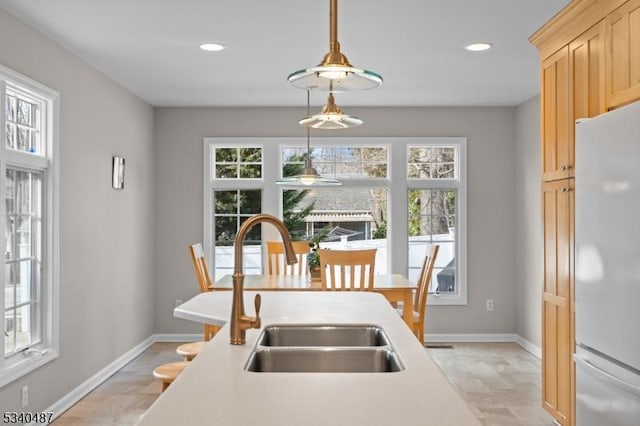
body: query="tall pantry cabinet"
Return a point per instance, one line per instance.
(590, 63)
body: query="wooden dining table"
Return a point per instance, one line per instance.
(395, 287)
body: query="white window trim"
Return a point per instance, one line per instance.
(459, 297)
(396, 182)
(210, 184)
(47, 350)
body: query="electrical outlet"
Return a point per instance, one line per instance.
(490, 305)
(24, 396)
(178, 303)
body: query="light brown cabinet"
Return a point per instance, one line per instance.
(623, 54)
(557, 307)
(557, 151)
(590, 63)
(572, 87)
(586, 62)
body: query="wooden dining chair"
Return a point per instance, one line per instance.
(204, 282)
(347, 269)
(167, 373)
(276, 260)
(422, 291)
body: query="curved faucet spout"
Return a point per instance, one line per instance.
(240, 322)
(247, 225)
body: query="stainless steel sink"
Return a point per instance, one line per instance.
(323, 335)
(323, 360)
(323, 348)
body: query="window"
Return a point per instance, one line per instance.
(28, 215)
(349, 216)
(232, 208)
(234, 189)
(340, 162)
(237, 163)
(386, 182)
(435, 207)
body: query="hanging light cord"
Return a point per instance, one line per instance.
(308, 162)
(334, 45)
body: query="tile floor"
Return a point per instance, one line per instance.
(499, 381)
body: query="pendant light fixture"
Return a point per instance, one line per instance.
(309, 175)
(335, 66)
(331, 117)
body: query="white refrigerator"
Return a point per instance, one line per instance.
(607, 268)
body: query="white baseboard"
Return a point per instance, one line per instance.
(529, 347)
(491, 337)
(496, 337)
(68, 400)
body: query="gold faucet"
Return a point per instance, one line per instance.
(240, 322)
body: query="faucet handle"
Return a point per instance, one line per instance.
(257, 302)
(256, 322)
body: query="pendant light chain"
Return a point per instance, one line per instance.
(308, 162)
(334, 44)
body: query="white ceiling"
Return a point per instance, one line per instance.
(151, 47)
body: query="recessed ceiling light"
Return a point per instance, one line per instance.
(212, 47)
(479, 46)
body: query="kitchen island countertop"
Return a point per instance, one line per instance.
(216, 389)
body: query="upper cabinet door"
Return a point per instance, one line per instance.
(586, 62)
(557, 149)
(623, 55)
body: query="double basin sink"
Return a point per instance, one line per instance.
(339, 348)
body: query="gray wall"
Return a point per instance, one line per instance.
(528, 236)
(124, 258)
(491, 223)
(106, 236)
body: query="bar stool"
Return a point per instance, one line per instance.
(190, 350)
(167, 373)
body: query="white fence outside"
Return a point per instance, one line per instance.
(418, 246)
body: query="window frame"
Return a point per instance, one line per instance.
(459, 184)
(211, 184)
(396, 182)
(47, 349)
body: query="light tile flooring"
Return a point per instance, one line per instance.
(500, 381)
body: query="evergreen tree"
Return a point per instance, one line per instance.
(293, 217)
(250, 200)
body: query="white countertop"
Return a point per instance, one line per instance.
(216, 390)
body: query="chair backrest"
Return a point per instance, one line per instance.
(204, 282)
(347, 269)
(200, 265)
(420, 301)
(276, 260)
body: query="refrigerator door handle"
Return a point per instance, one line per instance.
(603, 375)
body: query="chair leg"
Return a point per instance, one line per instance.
(418, 330)
(210, 331)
